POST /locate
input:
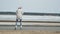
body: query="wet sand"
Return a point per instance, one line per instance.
(28, 32)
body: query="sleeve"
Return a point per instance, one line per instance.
(16, 13)
(22, 12)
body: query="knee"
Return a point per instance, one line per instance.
(20, 20)
(16, 19)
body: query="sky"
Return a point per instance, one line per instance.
(9, 5)
(44, 6)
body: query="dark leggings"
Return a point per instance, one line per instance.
(20, 23)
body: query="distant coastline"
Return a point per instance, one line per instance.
(29, 13)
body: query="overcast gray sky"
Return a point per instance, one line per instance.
(47, 6)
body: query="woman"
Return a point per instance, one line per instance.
(19, 14)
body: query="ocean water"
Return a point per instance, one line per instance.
(31, 18)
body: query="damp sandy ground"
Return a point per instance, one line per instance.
(28, 32)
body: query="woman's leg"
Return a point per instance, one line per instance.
(20, 23)
(16, 24)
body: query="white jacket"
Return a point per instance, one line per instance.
(19, 13)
